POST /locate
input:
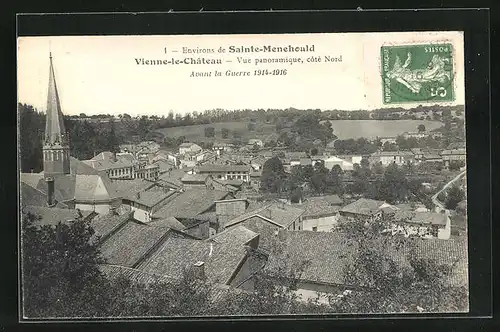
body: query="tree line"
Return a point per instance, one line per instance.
(393, 184)
(86, 138)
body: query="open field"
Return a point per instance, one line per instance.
(196, 133)
(345, 129)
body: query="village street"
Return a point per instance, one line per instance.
(435, 200)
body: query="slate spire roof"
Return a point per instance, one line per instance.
(54, 125)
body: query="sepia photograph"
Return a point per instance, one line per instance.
(242, 175)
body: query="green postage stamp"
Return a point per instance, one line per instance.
(417, 73)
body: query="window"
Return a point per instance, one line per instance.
(315, 229)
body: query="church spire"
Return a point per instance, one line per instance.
(56, 158)
(54, 126)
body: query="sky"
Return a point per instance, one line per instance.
(100, 74)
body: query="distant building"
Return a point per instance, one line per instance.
(143, 204)
(222, 147)
(392, 157)
(226, 172)
(320, 213)
(421, 224)
(458, 154)
(189, 148)
(331, 161)
(268, 220)
(417, 135)
(255, 141)
(364, 209)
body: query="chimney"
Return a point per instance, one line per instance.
(114, 157)
(50, 191)
(199, 270)
(138, 195)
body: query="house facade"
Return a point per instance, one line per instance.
(392, 157)
(189, 148)
(226, 172)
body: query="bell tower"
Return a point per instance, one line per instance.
(56, 143)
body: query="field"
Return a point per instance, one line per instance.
(196, 133)
(345, 129)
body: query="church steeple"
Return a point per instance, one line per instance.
(56, 144)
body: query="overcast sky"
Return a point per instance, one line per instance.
(99, 74)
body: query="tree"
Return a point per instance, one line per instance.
(334, 183)
(209, 132)
(225, 133)
(60, 269)
(455, 196)
(31, 130)
(272, 176)
(296, 195)
(319, 177)
(314, 151)
(421, 128)
(390, 286)
(394, 186)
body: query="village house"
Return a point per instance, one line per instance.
(255, 141)
(392, 157)
(458, 154)
(422, 224)
(269, 219)
(320, 213)
(144, 203)
(189, 148)
(389, 140)
(222, 147)
(255, 179)
(417, 135)
(225, 172)
(194, 208)
(331, 161)
(364, 209)
(322, 258)
(122, 166)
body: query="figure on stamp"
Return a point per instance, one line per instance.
(413, 79)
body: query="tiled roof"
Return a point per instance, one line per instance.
(131, 187)
(130, 243)
(31, 196)
(52, 216)
(363, 206)
(194, 178)
(173, 176)
(281, 216)
(134, 275)
(79, 167)
(31, 179)
(221, 260)
(223, 168)
(237, 234)
(151, 197)
(218, 294)
(458, 151)
(392, 153)
(321, 206)
(104, 225)
(170, 222)
(327, 253)
(190, 203)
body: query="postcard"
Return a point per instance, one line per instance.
(242, 175)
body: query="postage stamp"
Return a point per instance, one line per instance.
(417, 73)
